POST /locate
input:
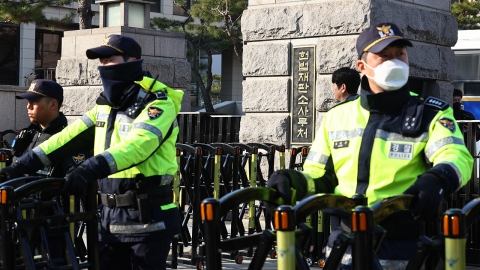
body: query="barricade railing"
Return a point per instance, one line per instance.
(189, 193)
(226, 167)
(212, 212)
(290, 231)
(25, 222)
(212, 171)
(470, 192)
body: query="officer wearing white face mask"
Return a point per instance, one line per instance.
(386, 142)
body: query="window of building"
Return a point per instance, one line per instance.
(136, 15)
(48, 48)
(9, 53)
(112, 14)
(467, 65)
(157, 6)
(471, 89)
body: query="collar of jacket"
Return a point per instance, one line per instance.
(60, 121)
(388, 101)
(127, 99)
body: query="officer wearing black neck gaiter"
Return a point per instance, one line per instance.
(118, 81)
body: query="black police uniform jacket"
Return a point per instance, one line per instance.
(35, 135)
(380, 143)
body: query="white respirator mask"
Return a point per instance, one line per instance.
(390, 75)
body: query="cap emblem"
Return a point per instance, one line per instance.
(32, 86)
(385, 31)
(105, 43)
(106, 40)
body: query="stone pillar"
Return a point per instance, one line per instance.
(272, 28)
(164, 53)
(27, 52)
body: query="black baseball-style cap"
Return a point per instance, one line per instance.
(114, 45)
(43, 88)
(376, 37)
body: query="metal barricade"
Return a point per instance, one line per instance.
(189, 197)
(24, 226)
(470, 192)
(212, 212)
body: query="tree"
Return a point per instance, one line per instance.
(212, 26)
(227, 12)
(215, 92)
(32, 12)
(467, 14)
(85, 14)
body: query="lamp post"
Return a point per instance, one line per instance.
(130, 13)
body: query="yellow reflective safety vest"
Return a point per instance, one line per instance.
(127, 155)
(133, 142)
(363, 143)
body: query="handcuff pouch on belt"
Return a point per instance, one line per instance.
(151, 196)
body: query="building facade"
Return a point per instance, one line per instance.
(34, 48)
(286, 39)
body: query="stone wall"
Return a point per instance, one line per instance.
(13, 111)
(271, 28)
(164, 53)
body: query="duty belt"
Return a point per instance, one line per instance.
(157, 196)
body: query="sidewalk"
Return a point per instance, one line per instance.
(184, 262)
(270, 264)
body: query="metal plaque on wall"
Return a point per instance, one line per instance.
(302, 127)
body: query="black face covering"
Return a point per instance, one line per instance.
(457, 110)
(118, 79)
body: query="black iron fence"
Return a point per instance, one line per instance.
(201, 127)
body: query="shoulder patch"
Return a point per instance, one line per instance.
(436, 102)
(79, 158)
(154, 112)
(448, 123)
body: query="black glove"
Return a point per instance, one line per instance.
(76, 182)
(429, 191)
(8, 173)
(283, 181)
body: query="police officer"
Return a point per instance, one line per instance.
(345, 82)
(133, 131)
(460, 114)
(45, 98)
(386, 142)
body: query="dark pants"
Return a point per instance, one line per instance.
(134, 255)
